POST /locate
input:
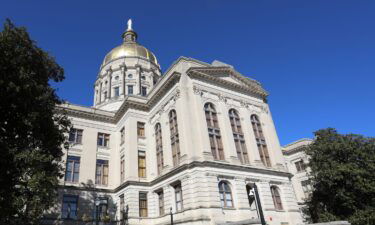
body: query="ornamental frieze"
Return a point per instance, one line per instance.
(249, 104)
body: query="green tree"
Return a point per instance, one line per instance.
(31, 131)
(343, 175)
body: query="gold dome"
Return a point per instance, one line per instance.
(130, 50)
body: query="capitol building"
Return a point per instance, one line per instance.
(196, 143)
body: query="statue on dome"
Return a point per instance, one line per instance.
(130, 24)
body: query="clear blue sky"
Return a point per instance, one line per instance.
(315, 57)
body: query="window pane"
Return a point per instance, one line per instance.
(72, 135)
(228, 197)
(76, 177)
(68, 176)
(69, 207)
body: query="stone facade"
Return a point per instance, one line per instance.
(188, 176)
(295, 162)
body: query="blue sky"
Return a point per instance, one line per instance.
(315, 57)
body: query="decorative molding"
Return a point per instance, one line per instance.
(212, 74)
(245, 103)
(163, 106)
(225, 177)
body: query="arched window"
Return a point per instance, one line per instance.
(225, 195)
(238, 136)
(214, 132)
(159, 147)
(276, 198)
(175, 141)
(260, 140)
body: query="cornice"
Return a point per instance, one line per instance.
(171, 98)
(211, 74)
(201, 165)
(85, 112)
(201, 90)
(298, 141)
(130, 102)
(184, 167)
(164, 88)
(289, 149)
(294, 150)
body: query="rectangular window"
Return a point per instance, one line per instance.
(161, 203)
(105, 95)
(306, 187)
(130, 89)
(178, 197)
(122, 166)
(75, 136)
(142, 204)
(141, 129)
(72, 169)
(102, 208)
(144, 91)
(122, 206)
(103, 139)
(69, 207)
(122, 132)
(141, 164)
(101, 177)
(117, 91)
(300, 166)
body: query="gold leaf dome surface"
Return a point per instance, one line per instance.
(130, 49)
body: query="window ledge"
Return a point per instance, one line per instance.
(75, 143)
(279, 210)
(71, 182)
(69, 219)
(103, 147)
(221, 160)
(228, 208)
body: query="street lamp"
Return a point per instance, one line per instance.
(171, 216)
(255, 194)
(97, 203)
(125, 216)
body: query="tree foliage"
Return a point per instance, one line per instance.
(31, 132)
(343, 175)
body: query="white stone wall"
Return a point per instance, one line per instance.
(293, 153)
(198, 178)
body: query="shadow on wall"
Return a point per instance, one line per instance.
(86, 210)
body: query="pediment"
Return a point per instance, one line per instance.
(228, 77)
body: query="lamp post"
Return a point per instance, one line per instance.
(171, 216)
(97, 203)
(259, 206)
(126, 215)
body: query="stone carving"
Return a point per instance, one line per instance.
(222, 98)
(176, 94)
(197, 91)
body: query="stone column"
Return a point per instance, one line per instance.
(139, 71)
(123, 70)
(100, 92)
(109, 83)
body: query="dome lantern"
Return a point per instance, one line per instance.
(129, 35)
